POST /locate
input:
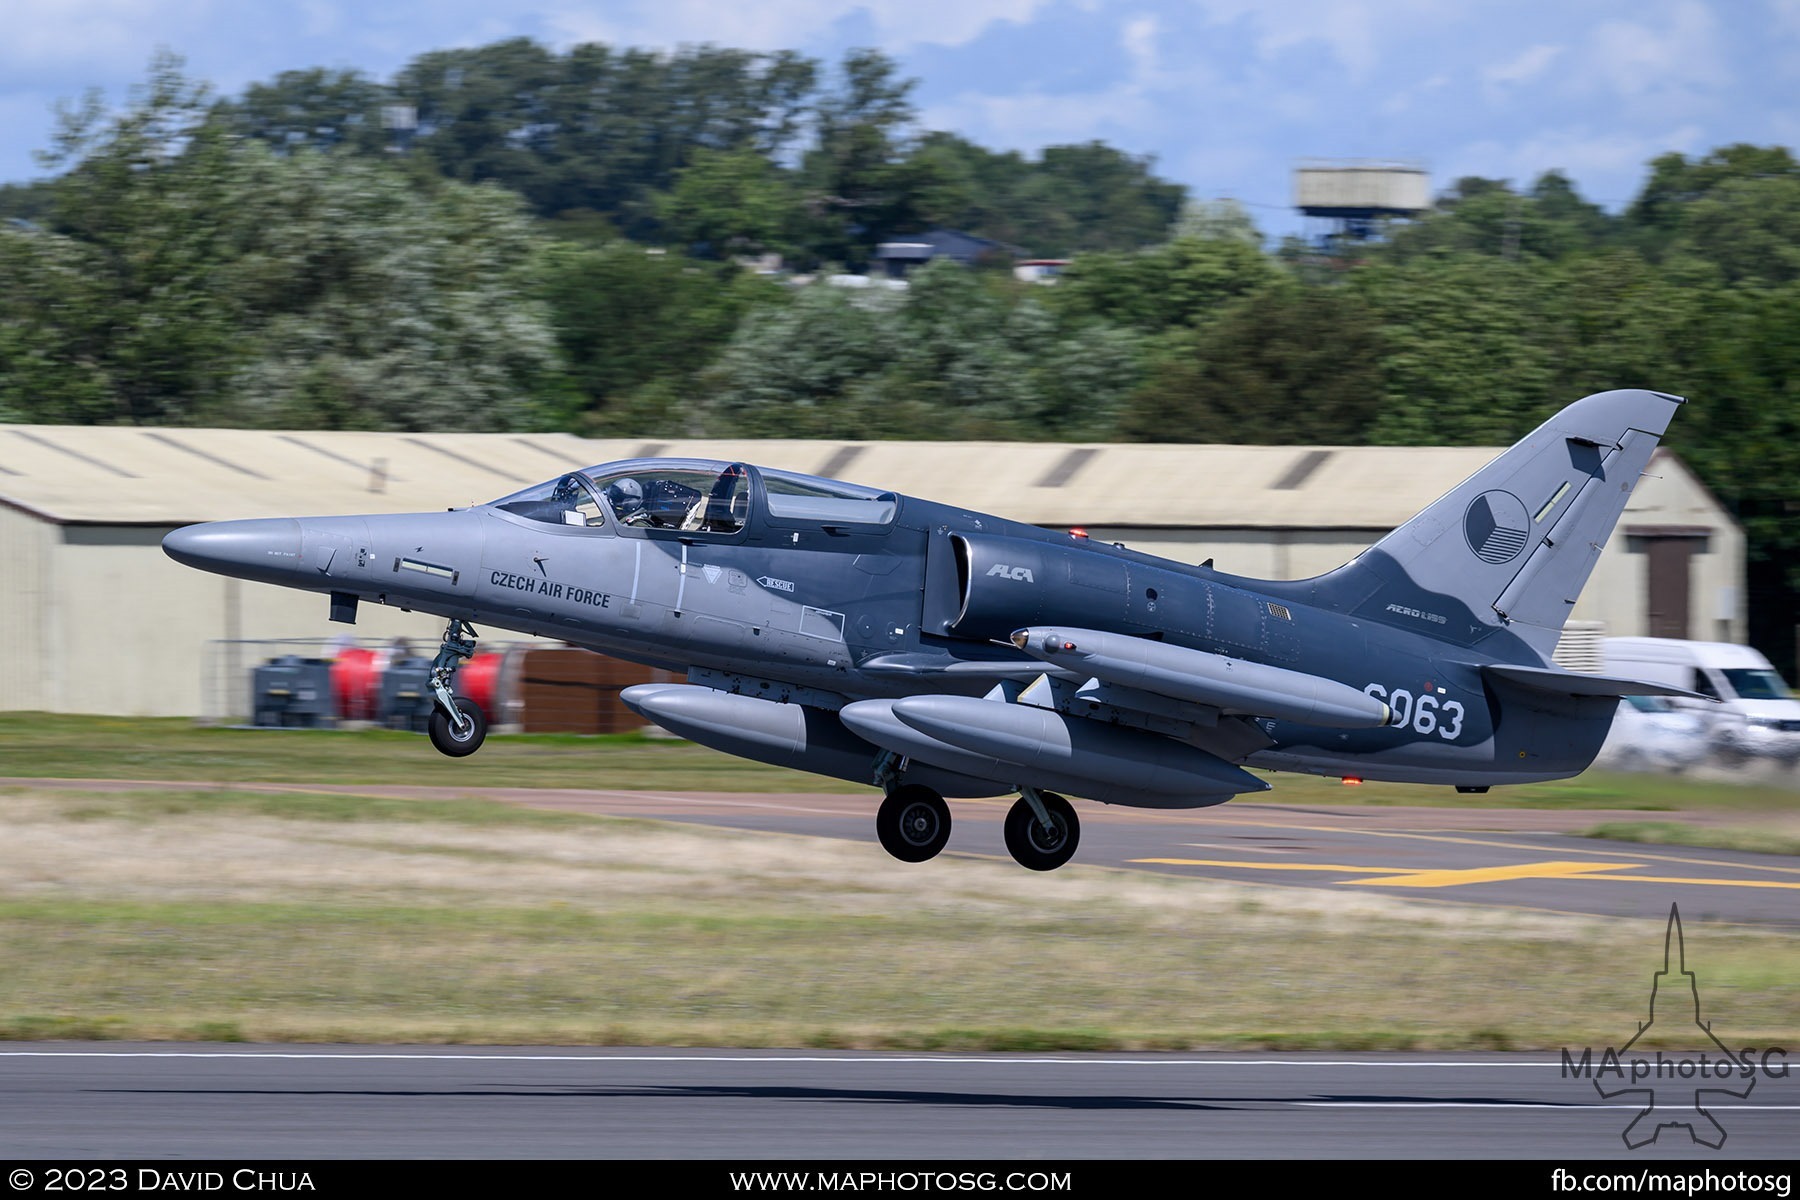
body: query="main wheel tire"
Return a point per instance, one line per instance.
(1035, 847)
(913, 823)
(455, 742)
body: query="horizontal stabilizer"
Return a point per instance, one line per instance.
(1576, 683)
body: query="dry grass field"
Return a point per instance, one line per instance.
(214, 914)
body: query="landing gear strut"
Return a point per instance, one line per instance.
(1042, 830)
(913, 823)
(457, 725)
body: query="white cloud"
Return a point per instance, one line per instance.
(1680, 51)
(1405, 98)
(899, 24)
(1128, 111)
(1607, 165)
(1139, 37)
(53, 38)
(1029, 121)
(1522, 68)
(1355, 31)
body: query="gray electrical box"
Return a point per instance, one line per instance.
(406, 695)
(292, 692)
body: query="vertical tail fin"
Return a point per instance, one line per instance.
(1510, 547)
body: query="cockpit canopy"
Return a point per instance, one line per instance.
(695, 496)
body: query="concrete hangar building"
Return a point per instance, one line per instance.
(94, 618)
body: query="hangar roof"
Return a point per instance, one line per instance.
(118, 475)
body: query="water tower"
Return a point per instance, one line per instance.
(1352, 193)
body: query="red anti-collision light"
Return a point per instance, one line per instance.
(1078, 531)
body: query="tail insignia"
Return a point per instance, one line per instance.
(1497, 526)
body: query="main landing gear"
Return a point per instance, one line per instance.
(913, 822)
(457, 725)
(1042, 830)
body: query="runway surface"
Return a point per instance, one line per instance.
(247, 1102)
(1506, 858)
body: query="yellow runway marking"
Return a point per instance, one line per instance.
(1397, 877)
(1456, 878)
(1656, 853)
(1262, 866)
(1747, 883)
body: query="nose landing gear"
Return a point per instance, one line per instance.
(457, 725)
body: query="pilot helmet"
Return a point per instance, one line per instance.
(626, 496)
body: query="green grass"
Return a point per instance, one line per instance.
(149, 806)
(56, 746)
(219, 915)
(1680, 833)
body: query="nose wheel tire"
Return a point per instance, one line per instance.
(913, 823)
(1038, 848)
(458, 742)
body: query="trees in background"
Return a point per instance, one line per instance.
(713, 151)
(959, 354)
(555, 248)
(636, 326)
(183, 275)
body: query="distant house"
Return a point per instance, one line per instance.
(1039, 270)
(896, 258)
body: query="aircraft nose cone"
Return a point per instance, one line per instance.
(262, 549)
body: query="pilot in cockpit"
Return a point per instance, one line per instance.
(627, 499)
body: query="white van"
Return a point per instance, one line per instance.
(1741, 678)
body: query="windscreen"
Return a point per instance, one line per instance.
(569, 500)
(1756, 683)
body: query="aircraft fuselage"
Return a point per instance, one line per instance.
(935, 651)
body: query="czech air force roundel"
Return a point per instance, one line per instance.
(1497, 526)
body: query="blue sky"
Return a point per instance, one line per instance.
(1225, 94)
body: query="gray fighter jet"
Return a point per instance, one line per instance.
(931, 652)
